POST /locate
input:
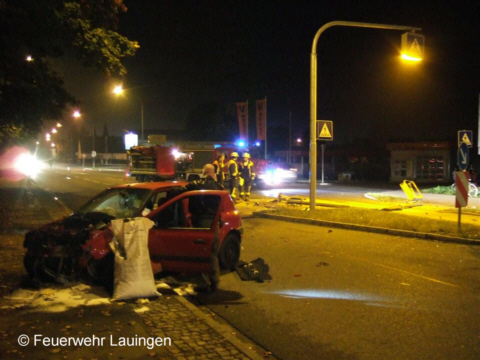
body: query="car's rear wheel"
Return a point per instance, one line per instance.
(230, 252)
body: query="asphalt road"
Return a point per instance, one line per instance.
(337, 294)
(340, 294)
(74, 186)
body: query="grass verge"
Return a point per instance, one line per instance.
(444, 190)
(385, 219)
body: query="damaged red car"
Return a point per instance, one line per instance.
(180, 241)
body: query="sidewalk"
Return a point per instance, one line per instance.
(82, 310)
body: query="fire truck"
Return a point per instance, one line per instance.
(180, 161)
(185, 161)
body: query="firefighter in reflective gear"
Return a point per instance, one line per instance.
(233, 175)
(219, 164)
(247, 174)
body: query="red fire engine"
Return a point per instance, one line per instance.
(185, 161)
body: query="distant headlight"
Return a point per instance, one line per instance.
(28, 165)
(285, 174)
(277, 176)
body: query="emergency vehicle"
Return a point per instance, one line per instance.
(185, 161)
(180, 161)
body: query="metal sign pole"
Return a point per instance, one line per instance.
(323, 163)
(459, 219)
(461, 196)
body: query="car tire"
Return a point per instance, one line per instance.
(230, 252)
(33, 267)
(29, 264)
(102, 271)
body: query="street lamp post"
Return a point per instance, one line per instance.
(313, 93)
(76, 115)
(141, 119)
(119, 90)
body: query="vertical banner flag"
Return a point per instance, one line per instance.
(242, 113)
(261, 117)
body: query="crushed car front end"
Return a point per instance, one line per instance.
(62, 250)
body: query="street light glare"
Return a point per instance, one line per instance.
(410, 58)
(76, 114)
(118, 89)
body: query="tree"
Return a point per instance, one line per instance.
(30, 90)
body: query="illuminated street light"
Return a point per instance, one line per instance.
(412, 46)
(29, 58)
(313, 92)
(410, 58)
(76, 114)
(118, 90)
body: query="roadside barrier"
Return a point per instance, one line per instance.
(411, 190)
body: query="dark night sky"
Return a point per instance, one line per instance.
(230, 51)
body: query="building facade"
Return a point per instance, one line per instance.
(422, 162)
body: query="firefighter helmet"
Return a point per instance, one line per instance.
(246, 156)
(234, 154)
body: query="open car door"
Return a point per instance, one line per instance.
(184, 231)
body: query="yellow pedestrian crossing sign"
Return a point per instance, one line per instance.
(465, 136)
(325, 130)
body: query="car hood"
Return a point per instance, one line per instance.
(76, 228)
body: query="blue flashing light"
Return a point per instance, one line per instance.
(257, 143)
(241, 143)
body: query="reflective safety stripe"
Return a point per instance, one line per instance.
(235, 171)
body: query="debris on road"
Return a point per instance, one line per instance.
(255, 270)
(303, 200)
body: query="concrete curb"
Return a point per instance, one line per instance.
(224, 330)
(373, 229)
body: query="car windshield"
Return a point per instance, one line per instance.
(119, 203)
